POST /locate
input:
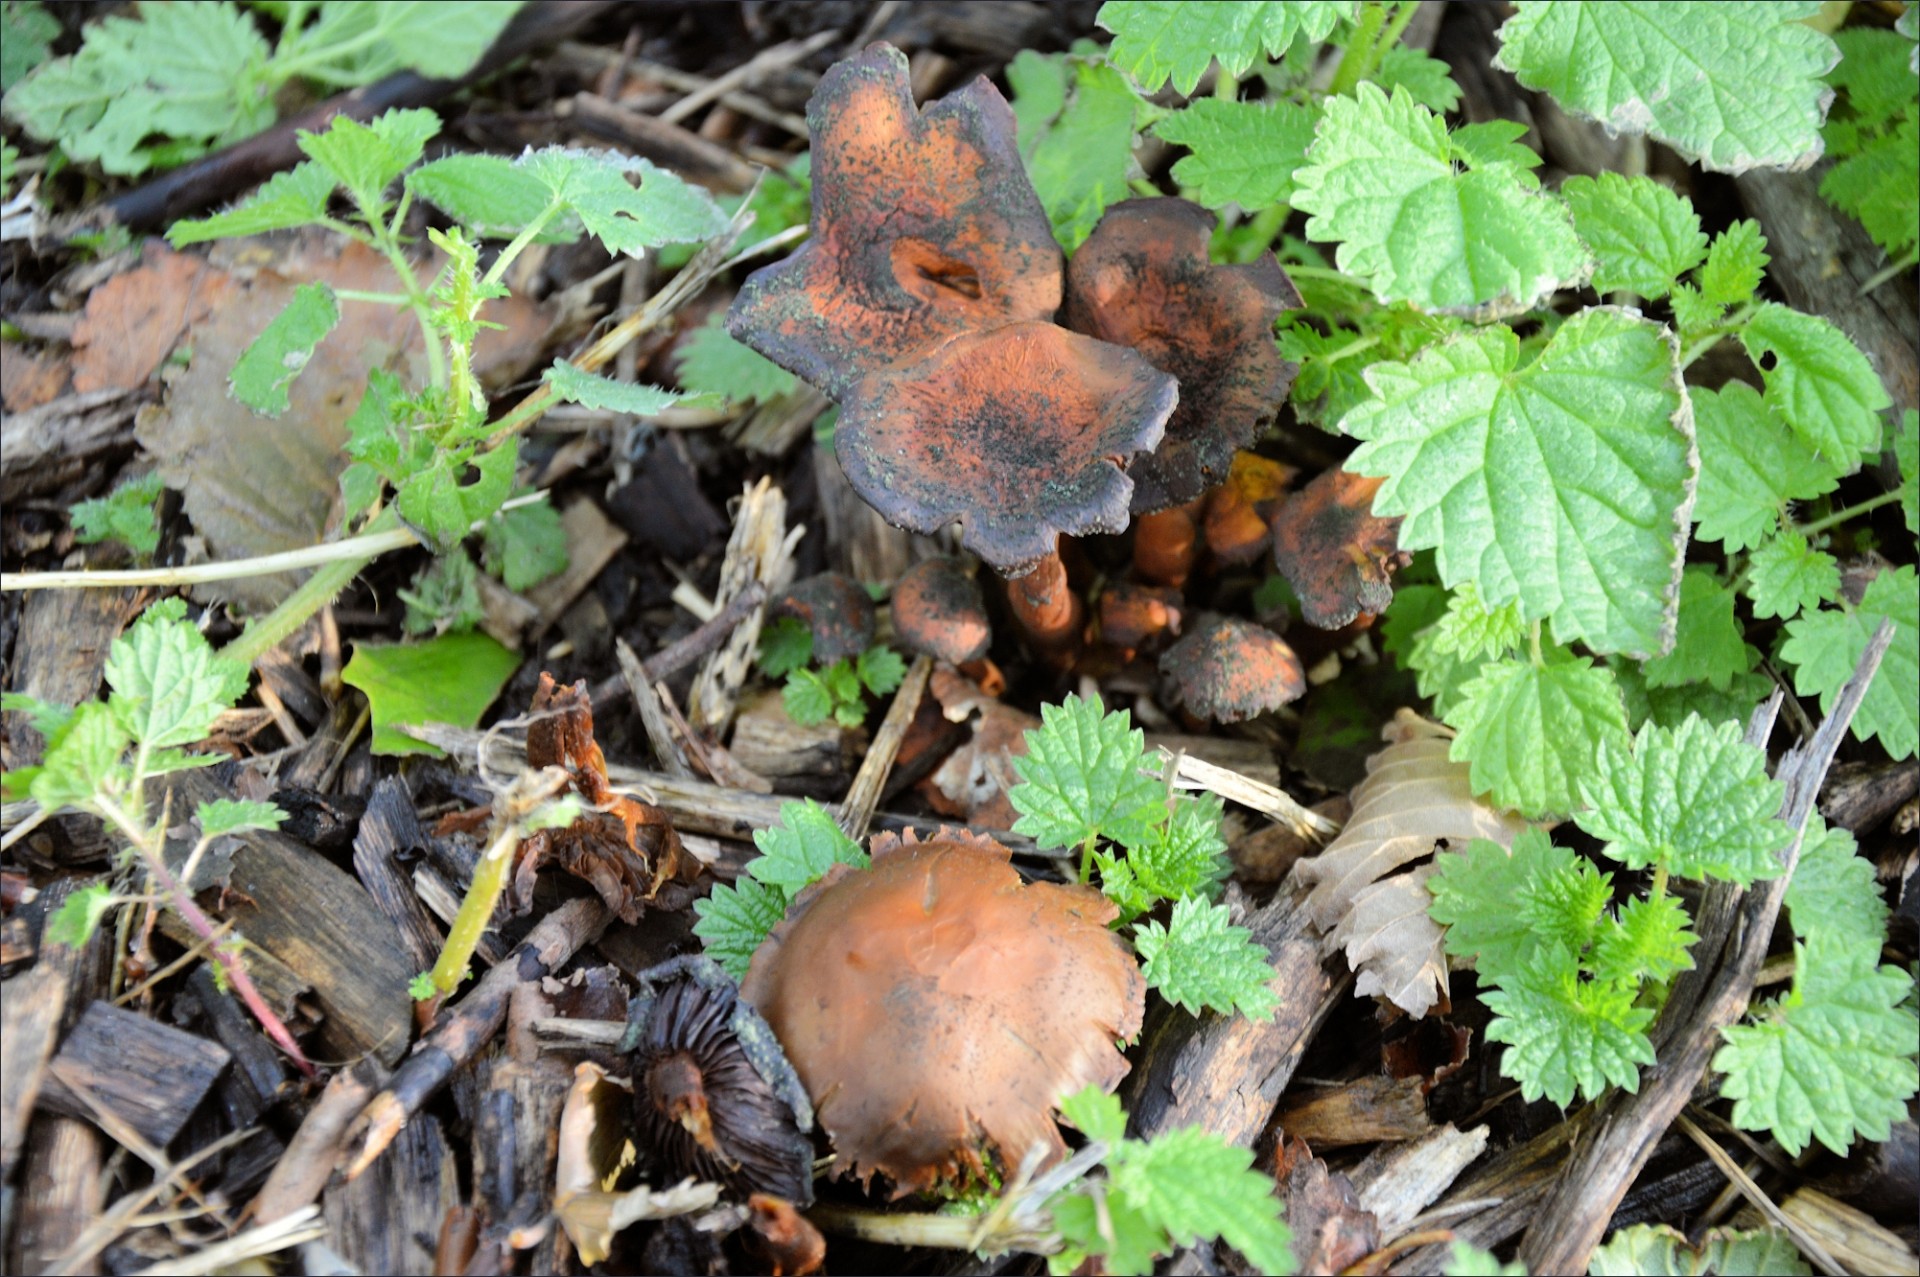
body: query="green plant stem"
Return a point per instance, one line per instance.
(1357, 59)
(1395, 29)
(1352, 348)
(1533, 646)
(518, 244)
(1322, 272)
(1904, 263)
(143, 842)
(1732, 324)
(388, 244)
(476, 910)
(1086, 857)
(1839, 517)
(378, 299)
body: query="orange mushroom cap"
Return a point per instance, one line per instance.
(1227, 669)
(938, 610)
(1144, 280)
(935, 1007)
(1338, 555)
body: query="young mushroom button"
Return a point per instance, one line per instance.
(936, 1007)
(1228, 670)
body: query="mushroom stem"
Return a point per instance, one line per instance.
(1165, 545)
(1048, 610)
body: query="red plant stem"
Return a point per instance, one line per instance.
(202, 926)
(1048, 610)
(1165, 545)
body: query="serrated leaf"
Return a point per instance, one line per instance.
(1080, 159)
(490, 195)
(1242, 153)
(1567, 904)
(227, 816)
(590, 390)
(450, 679)
(1558, 485)
(880, 670)
(82, 759)
(27, 33)
(1186, 856)
(1381, 180)
(1473, 632)
(1734, 85)
(525, 545)
(168, 685)
(1081, 777)
(367, 158)
(436, 502)
(1834, 1059)
(1643, 236)
(1695, 800)
(1906, 449)
(1566, 1035)
(129, 514)
(734, 919)
(1786, 577)
(1194, 1185)
(1708, 644)
(1428, 79)
(444, 595)
(79, 916)
(1876, 185)
(1202, 961)
(800, 849)
(786, 644)
(1818, 381)
(1649, 941)
(711, 362)
(296, 197)
(1114, 1229)
(1833, 888)
(1671, 706)
(1735, 265)
(1824, 646)
(1473, 895)
(1159, 40)
(1095, 1114)
(1659, 1250)
(593, 186)
(807, 698)
(1876, 72)
(280, 353)
(1531, 731)
(1751, 466)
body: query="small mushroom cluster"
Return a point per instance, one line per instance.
(984, 381)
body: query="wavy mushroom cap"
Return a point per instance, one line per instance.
(836, 609)
(1338, 555)
(1144, 279)
(924, 227)
(938, 611)
(1227, 670)
(936, 1006)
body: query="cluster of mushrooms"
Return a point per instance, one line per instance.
(983, 380)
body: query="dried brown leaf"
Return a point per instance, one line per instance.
(133, 321)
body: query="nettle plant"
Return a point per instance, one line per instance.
(1617, 551)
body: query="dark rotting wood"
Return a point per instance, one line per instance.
(390, 829)
(313, 1154)
(258, 1067)
(148, 1074)
(386, 1221)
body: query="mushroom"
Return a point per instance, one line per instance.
(937, 611)
(712, 1094)
(1337, 554)
(1238, 512)
(836, 609)
(1229, 670)
(1133, 616)
(936, 1007)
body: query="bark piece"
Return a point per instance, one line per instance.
(148, 1074)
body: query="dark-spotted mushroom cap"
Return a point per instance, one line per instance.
(937, 1007)
(837, 609)
(1338, 555)
(938, 611)
(1144, 280)
(1228, 670)
(713, 1096)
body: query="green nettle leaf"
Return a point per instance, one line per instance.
(1193, 1185)
(1474, 893)
(1643, 236)
(437, 503)
(880, 670)
(712, 363)
(361, 41)
(1834, 1059)
(593, 187)
(444, 595)
(1530, 732)
(297, 197)
(1735, 85)
(366, 158)
(1203, 962)
(82, 759)
(799, 850)
(1159, 40)
(130, 514)
(80, 915)
(450, 679)
(1080, 156)
(1095, 1114)
(807, 698)
(1671, 706)
(1833, 888)
(1114, 1229)
(1186, 856)
(27, 33)
(1568, 904)
(1824, 646)
(1081, 777)
(1648, 942)
(1565, 1034)
(1646, 1249)
(1906, 447)
(1472, 631)
(590, 390)
(525, 545)
(1708, 645)
(1428, 79)
(1383, 182)
(734, 919)
(786, 645)
(227, 816)
(491, 195)
(1786, 577)
(1241, 153)
(168, 685)
(1695, 800)
(1818, 382)
(1735, 264)
(273, 359)
(1876, 186)
(1751, 466)
(1561, 485)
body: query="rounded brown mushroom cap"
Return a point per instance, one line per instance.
(1227, 670)
(935, 1006)
(1144, 279)
(838, 611)
(924, 226)
(938, 610)
(1018, 433)
(1338, 555)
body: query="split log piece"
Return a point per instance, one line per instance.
(148, 1074)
